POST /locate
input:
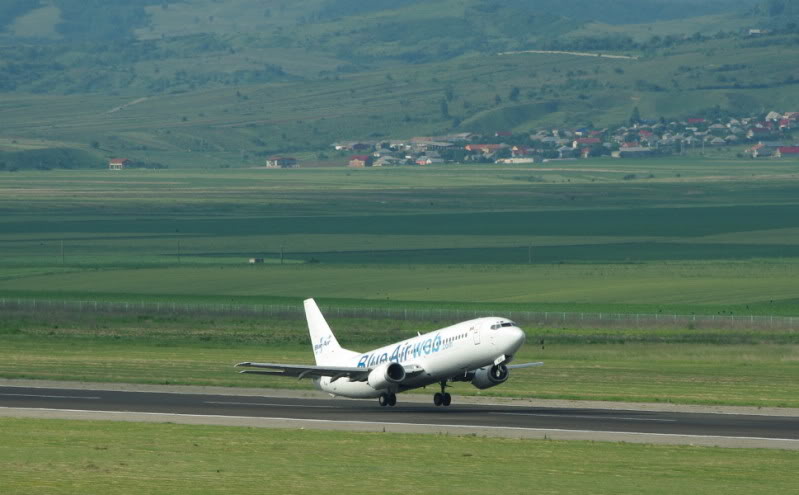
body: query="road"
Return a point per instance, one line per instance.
(496, 420)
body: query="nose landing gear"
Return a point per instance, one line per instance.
(442, 398)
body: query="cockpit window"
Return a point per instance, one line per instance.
(503, 324)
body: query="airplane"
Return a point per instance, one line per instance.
(476, 351)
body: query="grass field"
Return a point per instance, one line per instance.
(733, 367)
(52, 456)
(652, 287)
(703, 236)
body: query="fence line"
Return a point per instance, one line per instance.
(541, 318)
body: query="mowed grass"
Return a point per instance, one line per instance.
(733, 367)
(750, 375)
(54, 456)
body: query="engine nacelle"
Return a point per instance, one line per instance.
(490, 376)
(386, 375)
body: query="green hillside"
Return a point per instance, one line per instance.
(201, 83)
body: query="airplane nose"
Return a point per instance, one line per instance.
(516, 337)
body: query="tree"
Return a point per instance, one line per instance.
(444, 109)
(635, 117)
(514, 94)
(497, 99)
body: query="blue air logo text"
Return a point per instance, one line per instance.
(402, 352)
(320, 347)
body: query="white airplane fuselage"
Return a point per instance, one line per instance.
(443, 354)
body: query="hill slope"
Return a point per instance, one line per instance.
(234, 82)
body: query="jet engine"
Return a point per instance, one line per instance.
(386, 375)
(490, 376)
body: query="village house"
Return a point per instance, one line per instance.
(585, 142)
(765, 149)
(632, 152)
(787, 152)
(485, 148)
(360, 161)
(528, 159)
(353, 146)
(428, 160)
(281, 162)
(758, 133)
(521, 151)
(119, 163)
(387, 161)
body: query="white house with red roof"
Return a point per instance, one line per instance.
(787, 152)
(118, 163)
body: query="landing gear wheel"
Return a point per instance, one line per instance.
(438, 399)
(446, 400)
(383, 400)
(392, 400)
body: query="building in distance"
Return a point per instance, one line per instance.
(118, 163)
(281, 162)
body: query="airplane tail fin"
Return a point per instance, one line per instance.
(326, 348)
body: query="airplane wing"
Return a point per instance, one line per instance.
(305, 371)
(525, 365)
(301, 371)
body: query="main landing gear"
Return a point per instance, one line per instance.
(387, 399)
(442, 398)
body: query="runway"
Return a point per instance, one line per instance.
(736, 430)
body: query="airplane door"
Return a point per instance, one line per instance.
(476, 332)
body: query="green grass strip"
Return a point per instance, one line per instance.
(66, 457)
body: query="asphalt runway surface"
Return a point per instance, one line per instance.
(408, 416)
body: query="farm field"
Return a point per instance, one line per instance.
(127, 458)
(700, 236)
